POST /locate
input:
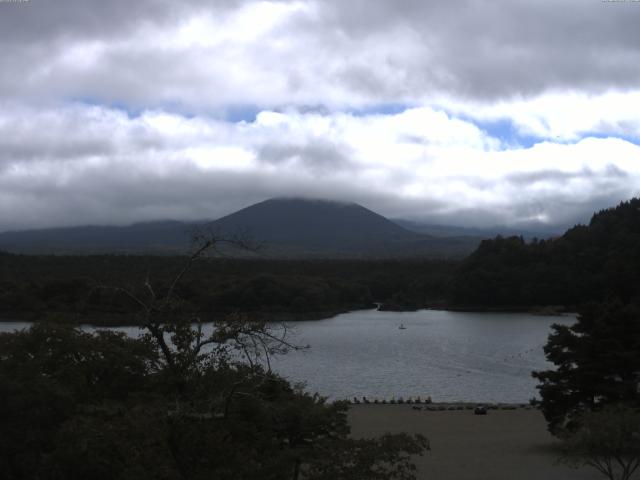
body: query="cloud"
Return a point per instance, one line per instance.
(554, 177)
(317, 155)
(197, 56)
(463, 112)
(90, 164)
(566, 116)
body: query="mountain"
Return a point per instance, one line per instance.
(284, 227)
(314, 225)
(165, 236)
(295, 227)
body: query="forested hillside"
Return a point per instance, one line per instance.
(588, 263)
(36, 287)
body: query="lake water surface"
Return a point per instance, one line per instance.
(450, 356)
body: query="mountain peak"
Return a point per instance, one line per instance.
(307, 201)
(311, 222)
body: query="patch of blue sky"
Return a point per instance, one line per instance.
(512, 137)
(502, 129)
(231, 113)
(379, 109)
(241, 113)
(248, 113)
(505, 131)
(131, 111)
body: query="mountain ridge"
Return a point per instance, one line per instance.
(444, 230)
(287, 227)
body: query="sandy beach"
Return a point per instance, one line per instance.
(502, 445)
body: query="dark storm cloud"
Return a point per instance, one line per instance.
(120, 193)
(34, 35)
(566, 211)
(612, 172)
(499, 49)
(68, 134)
(316, 155)
(43, 21)
(320, 53)
(546, 213)
(19, 150)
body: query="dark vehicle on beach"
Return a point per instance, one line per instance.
(480, 410)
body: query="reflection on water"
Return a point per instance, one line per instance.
(450, 356)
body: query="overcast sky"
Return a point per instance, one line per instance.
(473, 112)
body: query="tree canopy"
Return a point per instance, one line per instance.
(595, 262)
(607, 440)
(597, 363)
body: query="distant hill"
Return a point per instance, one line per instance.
(438, 230)
(284, 227)
(591, 262)
(153, 237)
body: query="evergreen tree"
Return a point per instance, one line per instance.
(597, 363)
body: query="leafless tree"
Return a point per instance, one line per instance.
(180, 334)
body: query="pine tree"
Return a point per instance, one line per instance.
(597, 363)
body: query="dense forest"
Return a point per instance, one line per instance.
(86, 288)
(593, 262)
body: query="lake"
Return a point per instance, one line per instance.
(450, 356)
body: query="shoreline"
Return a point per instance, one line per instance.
(123, 320)
(430, 406)
(542, 310)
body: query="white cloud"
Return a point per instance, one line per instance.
(89, 164)
(561, 116)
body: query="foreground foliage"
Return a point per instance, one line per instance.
(104, 406)
(591, 400)
(607, 440)
(597, 363)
